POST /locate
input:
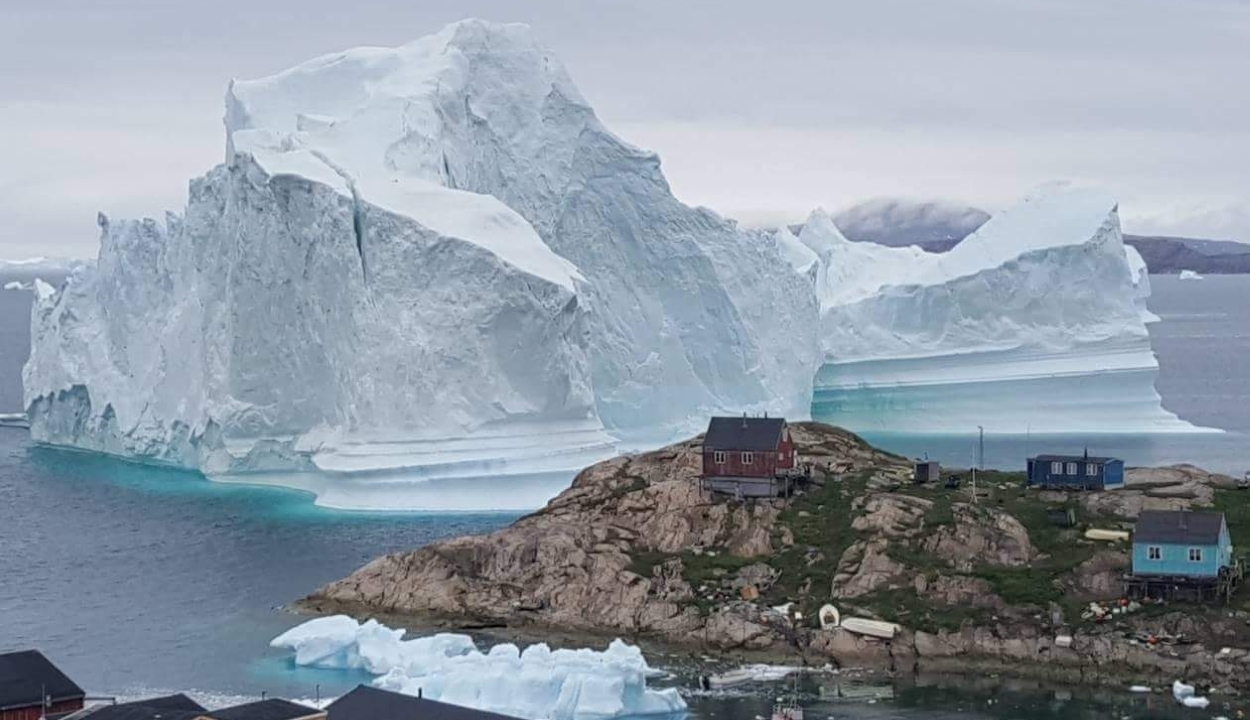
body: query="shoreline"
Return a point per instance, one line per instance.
(893, 662)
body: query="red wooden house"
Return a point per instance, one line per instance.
(749, 457)
(31, 687)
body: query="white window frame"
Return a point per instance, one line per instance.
(718, 457)
(1154, 553)
(1056, 468)
(748, 458)
(1091, 469)
(1071, 469)
(1195, 554)
(781, 456)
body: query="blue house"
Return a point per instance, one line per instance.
(1076, 472)
(1182, 544)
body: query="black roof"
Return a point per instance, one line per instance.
(27, 676)
(1175, 526)
(743, 433)
(1074, 458)
(368, 703)
(168, 707)
(272, 709)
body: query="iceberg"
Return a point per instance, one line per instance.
(1043, 307)
(1190, 275)
(426, 263)
(536, 682)
(688, 309)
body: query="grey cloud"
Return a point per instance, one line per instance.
(759, 110)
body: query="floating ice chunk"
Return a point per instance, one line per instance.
(1190, 275)
(1184, 694)
(536, 682)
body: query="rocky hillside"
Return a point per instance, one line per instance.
(634, 548)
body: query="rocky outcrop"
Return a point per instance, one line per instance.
(1099, 578)
(865, 568)
(1177, 487)
(958, 590)
(579, 563)
(981, 535)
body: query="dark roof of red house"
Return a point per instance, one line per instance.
(367, 703)
(27, 677)
(743, 433)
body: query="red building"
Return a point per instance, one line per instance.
(749, 457)
(31, 687)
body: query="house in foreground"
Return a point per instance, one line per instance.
(1075, 472)
(167, 707)
(370, 703)
(31, 687)
(1183, 554)
(749, 457)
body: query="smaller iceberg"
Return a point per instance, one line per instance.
(1185, 695)
(536, 682)
(1190, 275)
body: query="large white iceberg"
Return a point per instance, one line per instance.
(536, 682)
(688, 311)
(1036, 322)
(427, 262)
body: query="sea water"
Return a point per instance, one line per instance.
(138, 580)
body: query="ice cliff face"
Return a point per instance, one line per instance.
(687, 310)
(248, 334)
(431, 259)
(1035, 322)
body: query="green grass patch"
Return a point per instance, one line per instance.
(820, 521)
(1023, 586)
(1235, 504)
(905, 607)
(644, 562)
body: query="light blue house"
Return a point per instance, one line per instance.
(1182, 544)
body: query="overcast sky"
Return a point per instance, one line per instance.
(760, 110)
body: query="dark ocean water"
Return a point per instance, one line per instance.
(139, 580)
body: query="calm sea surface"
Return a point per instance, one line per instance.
(139, 580)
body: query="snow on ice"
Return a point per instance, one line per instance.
(536, 682)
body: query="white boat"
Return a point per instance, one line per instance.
(731, 678)
(1107, 535)
(829, 617)
(872, 628)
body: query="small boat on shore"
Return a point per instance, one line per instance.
(728, 679)
(871, 628)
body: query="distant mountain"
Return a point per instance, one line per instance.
(938, 226)
(1170, 255)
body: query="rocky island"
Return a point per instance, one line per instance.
(635, 548)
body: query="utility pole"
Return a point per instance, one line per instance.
(979, 457)
(981, 448)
